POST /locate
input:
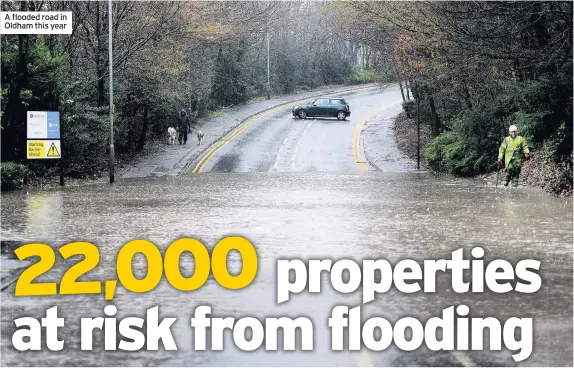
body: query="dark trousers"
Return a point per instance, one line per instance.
(513, 173)
(182, 136)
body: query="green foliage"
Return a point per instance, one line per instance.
(230, 85)
(85, 141)
(358, 76)
(540, 107)
(473, 80)
(286, 72)
(470, 145)
(13, 175)
(29, 82)
(218, 113)
(446, 153)
(531, 123)
(45, 61)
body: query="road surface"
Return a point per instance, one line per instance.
(279, 142)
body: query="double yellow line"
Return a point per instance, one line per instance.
(205, 159)
(357, 155)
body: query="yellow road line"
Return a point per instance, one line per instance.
(214, 150)
(217, 147)
(207, 157)
(356, 150)
(357, 156)
(201, 164)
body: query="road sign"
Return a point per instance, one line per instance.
(43, 124)
(43, 134)
(53, 121)
(53, 151)
(44, 149)
(37, 124)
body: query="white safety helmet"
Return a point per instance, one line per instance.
(512, 128)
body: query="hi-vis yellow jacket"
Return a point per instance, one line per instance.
(513, 150)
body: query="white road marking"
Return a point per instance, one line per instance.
(286, 155)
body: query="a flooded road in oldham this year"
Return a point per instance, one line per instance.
(371, 215)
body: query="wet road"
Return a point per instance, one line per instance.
(339, 211)
(279, 142)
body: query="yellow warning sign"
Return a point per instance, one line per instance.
(36, 149)
(53, 151)
(44, 149)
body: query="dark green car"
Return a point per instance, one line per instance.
(325, 107)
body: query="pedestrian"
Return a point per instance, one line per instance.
(513, 149)
(183, 125)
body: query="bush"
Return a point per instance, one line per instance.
(547, 171)
(85, 141)
(13, 175)
(410, 108)
(446, 153)
(359, 76)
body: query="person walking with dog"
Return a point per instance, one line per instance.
(183, 124)
(513, 149)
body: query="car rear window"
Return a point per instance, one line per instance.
(338, 101)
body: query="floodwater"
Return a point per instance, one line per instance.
(370, 215)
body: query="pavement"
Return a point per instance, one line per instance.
(380, 144)
(173, 159)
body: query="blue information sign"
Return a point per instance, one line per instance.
(53, 125)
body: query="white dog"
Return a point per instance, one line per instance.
(199, 137)
(173, 135)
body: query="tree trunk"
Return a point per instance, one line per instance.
(416, 91)
(402, 93)
(368, 61)
(132, 130)
(466, 94)
(100, 58)
(141, 140)
(14, 120)
(436, 121)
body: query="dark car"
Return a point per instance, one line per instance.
(330, 107)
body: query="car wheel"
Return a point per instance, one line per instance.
(302, 114)
(341, 115)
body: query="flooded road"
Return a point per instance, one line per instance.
(304, 215)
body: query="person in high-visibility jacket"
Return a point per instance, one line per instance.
(513, 149)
